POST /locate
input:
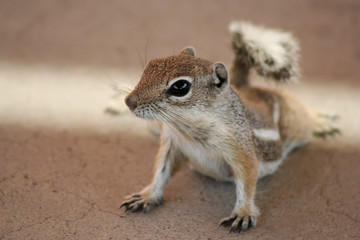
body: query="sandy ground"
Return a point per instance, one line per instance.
(65, 166)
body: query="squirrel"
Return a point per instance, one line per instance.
(237, 133)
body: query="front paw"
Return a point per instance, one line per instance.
(138, 202)
(239, 223)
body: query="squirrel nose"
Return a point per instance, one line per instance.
(131, 102)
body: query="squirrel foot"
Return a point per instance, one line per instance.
(138, 202)
(325, 126)
(238, 223)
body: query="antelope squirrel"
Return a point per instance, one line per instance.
(237, 134)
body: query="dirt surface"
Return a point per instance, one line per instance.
(65, 166)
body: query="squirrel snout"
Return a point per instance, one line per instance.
(131, 102)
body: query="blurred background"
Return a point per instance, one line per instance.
(58, 61)
(59, 57)
(113, 34)
(50, 51)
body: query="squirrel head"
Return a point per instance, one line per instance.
(177, 84)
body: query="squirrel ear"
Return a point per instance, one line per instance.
(188, 51)
(220, 75)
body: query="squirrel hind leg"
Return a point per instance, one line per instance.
(325, 126)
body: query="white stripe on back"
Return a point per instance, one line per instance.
(267, 134)
(276, 112)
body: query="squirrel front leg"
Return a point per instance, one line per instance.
(168, 161)
(244, 167)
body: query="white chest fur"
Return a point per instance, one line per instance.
(207, 162)
(205, 157)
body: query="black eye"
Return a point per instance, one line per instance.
(179, 88)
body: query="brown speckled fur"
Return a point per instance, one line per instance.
(237, 122)
(259, 103)
(229, 134)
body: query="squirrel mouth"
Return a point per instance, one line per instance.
(145, 113)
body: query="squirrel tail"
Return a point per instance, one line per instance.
(272, 53)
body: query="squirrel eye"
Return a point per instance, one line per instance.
(179, 88)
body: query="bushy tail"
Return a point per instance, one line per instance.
(272, 53)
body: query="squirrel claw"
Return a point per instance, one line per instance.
(137, 203)
(128, 202)
(225, 222)
(239, 223)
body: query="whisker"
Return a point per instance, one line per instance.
(146, 48)
(168, 119)
(116, 105)
(140, 58)
(186, 123)
(122, 89)
(147, 43)
(181, 124)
